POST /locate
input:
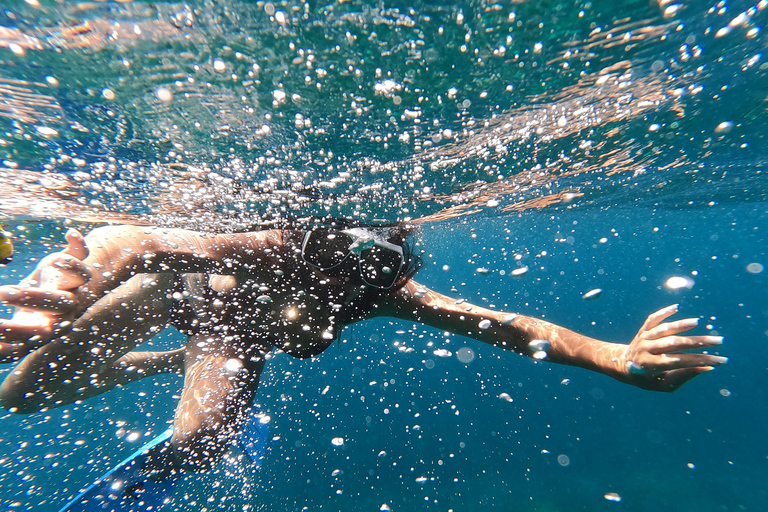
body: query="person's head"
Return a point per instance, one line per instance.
(333, 241)
(378, 257)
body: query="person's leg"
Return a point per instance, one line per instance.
(82, 363)
(138, 365)
(220, 383)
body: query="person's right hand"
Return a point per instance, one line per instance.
(45, 301)
(657, 358)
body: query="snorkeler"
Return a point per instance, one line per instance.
(237, 297)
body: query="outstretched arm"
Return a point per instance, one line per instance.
(651, 361)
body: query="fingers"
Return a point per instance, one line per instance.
(678, 343)
(673, 379)
(58, 301)
(76, 244)
(659, 316)
(655, 358)
(676, 361)
(76, 273)
(671, 328)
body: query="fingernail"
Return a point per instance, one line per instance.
(691, 321)
(716, 340)
(719, 359)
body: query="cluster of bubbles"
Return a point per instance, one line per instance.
(297, 114)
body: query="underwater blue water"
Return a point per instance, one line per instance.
(601, 144)
(441, 419)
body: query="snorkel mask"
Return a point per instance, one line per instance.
(379, 262)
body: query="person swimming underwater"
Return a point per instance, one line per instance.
(82, 312)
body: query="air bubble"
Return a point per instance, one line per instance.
(279, 96)
(539, 345)
(465, 355)
(679, 282)
(46, 131)
(519, 271)
(509, 319)
(593, 294)
(724, 127)
(163, 94)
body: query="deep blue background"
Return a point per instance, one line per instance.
(479, 452)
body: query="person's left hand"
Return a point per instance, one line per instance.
(655, 359)
(44, 300)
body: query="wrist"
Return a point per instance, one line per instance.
(614, 362)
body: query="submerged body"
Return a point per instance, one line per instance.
(83, 311)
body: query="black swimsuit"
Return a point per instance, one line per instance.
(302, 286)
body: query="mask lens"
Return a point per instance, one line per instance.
(380, 266)
(325, 248)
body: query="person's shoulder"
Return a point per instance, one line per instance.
(271, 238)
